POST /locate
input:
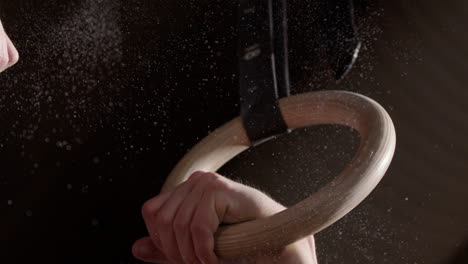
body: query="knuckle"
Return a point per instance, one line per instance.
(196, 174)
(146, 209)
(217, 184)
(211, 175)
(207, 177)
(163, 220)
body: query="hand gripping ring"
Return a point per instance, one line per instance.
(322, 208)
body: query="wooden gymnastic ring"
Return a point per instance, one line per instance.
(322, 208)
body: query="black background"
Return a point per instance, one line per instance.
(109, 95)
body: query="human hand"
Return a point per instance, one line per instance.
(181, 223)
(8, 53)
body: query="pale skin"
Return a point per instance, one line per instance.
(8, 53)
(182, 223)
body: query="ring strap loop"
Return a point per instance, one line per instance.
(263, 67)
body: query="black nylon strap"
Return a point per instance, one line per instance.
(263, 58)
(263, 70)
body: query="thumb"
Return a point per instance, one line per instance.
(144, 249)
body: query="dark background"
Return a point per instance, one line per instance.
(109, 95)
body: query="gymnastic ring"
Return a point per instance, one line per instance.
(322, 208)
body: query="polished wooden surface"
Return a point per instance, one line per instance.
(321, 209)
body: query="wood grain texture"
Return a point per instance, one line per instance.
(321, 209)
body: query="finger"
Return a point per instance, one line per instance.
(144, 250)
(149, 211)
(184, 217)
(204, 224)
(165, 218)
(12, 53)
